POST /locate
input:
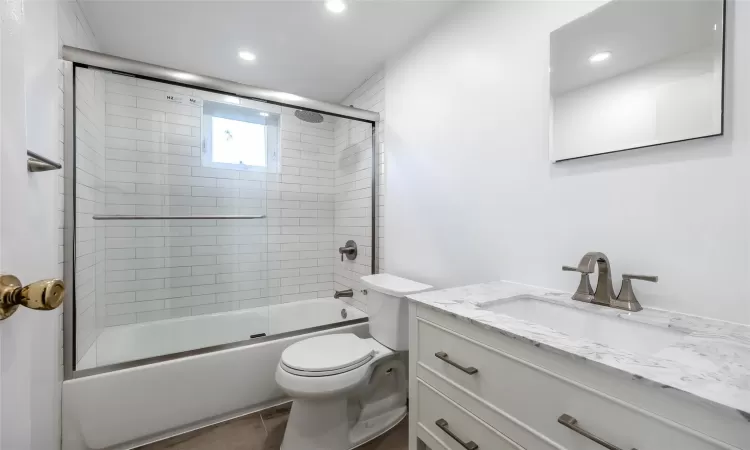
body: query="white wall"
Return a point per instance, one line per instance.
(472, 196)
(671, 100)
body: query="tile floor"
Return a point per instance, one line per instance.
(263, 431)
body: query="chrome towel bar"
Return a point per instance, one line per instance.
(219, 217)
(38, 163)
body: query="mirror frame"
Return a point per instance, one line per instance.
(551, 151)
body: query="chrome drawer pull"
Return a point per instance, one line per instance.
(444, 357)
(443, 425)
(572, 423)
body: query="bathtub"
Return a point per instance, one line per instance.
(164, 337)
(131, 406)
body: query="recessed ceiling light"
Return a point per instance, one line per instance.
(264, 114)
(247, 56)
(336, 6)
(599, 57)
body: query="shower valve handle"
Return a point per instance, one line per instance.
(350, 250)
(346, 250)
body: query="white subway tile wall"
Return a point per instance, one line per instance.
(90, 198)
(353, 193)
(159, 269)
(72, 30)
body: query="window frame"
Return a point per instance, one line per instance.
(243, 114)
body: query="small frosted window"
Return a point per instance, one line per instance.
(238, 142)
(235, 137)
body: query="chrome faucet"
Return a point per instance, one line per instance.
(344, 293)
(605, 292)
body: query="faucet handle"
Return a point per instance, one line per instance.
(626, 298)
(651, 278)
(585, 292)
(350, 250)
(579, 268)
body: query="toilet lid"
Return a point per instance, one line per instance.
(327, 353)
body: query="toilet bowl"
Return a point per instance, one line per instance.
(347, 390)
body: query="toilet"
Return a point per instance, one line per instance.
(347, 390)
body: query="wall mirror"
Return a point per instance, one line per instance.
(636, 74)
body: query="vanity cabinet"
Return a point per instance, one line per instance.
(473, 388)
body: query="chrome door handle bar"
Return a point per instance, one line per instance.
(572, 423)
(444, 357)
(443, 425)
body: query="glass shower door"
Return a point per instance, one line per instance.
(171, 190)
(204, 219)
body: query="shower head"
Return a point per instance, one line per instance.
(308, 116)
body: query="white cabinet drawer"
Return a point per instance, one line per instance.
(453, 427)
(524, 401)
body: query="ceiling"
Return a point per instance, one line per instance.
(637, 33)
(301, 47)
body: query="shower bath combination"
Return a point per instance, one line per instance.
(189, 260)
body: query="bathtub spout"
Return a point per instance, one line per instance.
(344, 293)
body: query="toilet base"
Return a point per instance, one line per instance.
(363, 432)
(322, 418)
(327, 428)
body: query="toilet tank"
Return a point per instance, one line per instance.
(388, 308)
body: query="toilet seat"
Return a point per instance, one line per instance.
(350, 368)
(327, 355)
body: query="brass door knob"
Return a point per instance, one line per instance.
(44, 295)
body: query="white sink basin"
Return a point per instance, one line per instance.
(611, 331)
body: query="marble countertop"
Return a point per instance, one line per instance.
(711, 361)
